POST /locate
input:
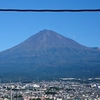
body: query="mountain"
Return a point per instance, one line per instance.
(48, 54)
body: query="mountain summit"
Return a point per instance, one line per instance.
(47, 39)
(51, 55)
(43, 41)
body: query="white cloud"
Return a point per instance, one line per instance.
(74, 37)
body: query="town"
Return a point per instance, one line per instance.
(64, 89)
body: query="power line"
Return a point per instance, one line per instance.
(50, 10)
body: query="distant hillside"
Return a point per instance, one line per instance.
(48, 54)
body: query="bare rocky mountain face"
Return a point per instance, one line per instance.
(48, 54)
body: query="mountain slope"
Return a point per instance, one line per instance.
(46, 43)
(46, 52)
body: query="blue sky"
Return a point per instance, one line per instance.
(82, 27)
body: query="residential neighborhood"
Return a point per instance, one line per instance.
(50, 90)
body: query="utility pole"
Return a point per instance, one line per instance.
(11, 94)
(10, 91)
